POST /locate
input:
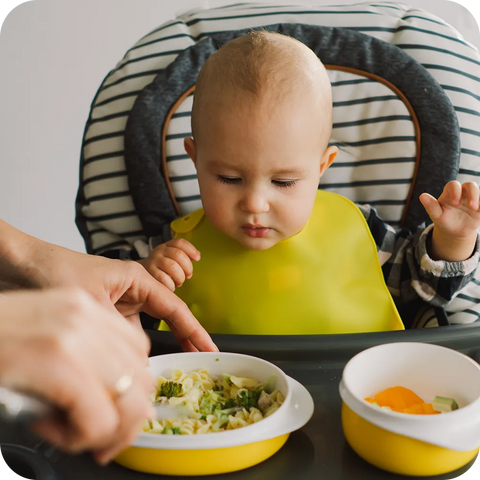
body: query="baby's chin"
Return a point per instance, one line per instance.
(256, 243)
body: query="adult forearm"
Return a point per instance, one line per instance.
(27, 262)
(16, 258)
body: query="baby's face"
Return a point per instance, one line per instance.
(258, 169)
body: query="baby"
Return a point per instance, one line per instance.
(261, 124)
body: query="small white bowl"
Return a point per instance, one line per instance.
(412, 444)
(220, 452)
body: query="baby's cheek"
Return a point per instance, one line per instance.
(299, 216)
(221, 219)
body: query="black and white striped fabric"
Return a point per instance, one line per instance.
(371, 124)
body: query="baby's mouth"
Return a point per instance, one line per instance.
(256, 231)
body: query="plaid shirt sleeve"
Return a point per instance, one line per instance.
(409, 270)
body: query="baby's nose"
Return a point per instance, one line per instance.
(255, 202)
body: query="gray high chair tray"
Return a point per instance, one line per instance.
(318, 450)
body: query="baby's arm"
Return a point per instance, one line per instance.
(409, 270)
(171, 262)
(456, 217)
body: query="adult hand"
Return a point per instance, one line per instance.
(122, 285)
(64, 346)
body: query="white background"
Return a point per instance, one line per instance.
(54, 55)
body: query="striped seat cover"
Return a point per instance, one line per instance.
(372, 125)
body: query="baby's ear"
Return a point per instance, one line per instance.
(191, 149)
(328, 158)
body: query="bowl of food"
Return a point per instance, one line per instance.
(412, 408)
(234, 411)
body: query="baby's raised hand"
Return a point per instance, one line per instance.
(456, 215)
(457, 209)
(171, 262)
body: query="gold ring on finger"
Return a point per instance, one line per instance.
(122, 385)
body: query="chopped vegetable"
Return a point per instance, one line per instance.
(209, 403)
(170, 389)
(222, 420)
(444, 404)
(248, 398)
(230, 403)
(402, 400)
(171, 431)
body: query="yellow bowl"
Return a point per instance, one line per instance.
(398, 453)
(418, 445)
(200, 462)
(221, 452)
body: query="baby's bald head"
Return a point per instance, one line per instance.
(261, 120)
(265, 69)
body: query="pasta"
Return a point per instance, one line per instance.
(212, 403)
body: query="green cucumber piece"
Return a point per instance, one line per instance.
(444, 404)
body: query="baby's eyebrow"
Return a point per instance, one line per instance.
(290, 172)
(287, 171)
(220, 164)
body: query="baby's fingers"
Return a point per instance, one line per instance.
(452, 194)
(180, 258)
(173, 268)
(186, 247)
(470, 195)
(162, 277)
(433, 208)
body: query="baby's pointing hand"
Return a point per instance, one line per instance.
(456, 212)
(171, 262)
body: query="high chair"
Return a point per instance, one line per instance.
(406, 120)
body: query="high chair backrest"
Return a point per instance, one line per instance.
(406, 115)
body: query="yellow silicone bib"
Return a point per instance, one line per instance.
(326, 279)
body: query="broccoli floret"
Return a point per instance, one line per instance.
(170, 389)
(171, 431)
(230, 403)
(209, 403)
(222, 420)
(248, 398)
(245, 399)
(203, 417)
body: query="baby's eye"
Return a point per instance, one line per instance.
(284, 183)
(228, 180)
